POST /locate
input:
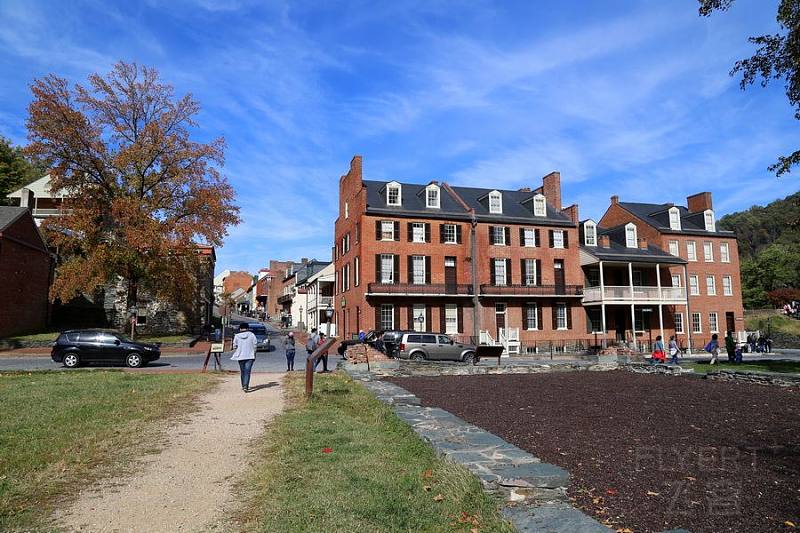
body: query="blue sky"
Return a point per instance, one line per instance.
(622, 97)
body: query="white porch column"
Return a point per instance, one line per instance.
(660, 299)
(658, 282)
(688, 323)
(603, 306)
(633, 326)
(661, 322)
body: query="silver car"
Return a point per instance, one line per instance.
(435, 347)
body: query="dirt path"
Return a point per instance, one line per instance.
(188, 485)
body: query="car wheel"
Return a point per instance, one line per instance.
(134, 360)
(71, 360)
(469, 358)
(417, 356)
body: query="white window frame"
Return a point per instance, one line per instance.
(713, 322)
(674, 218)
(694, 285)
(699, 317)
(451, 319)
(727, 288)
(539, 206)
(387, 277)
(501, 231)
(532, 277)
(435, 190)
(346, 278)
(526, 241)
(691, 250)
(417, 311)
(558, 238)
(495, 202)
(497, 270)
(724, 252)
(675, 248)
(631, 235)
(676, 277)
(709, 221)
(447, 239)
(559, 308)
(528, 307)
(418, 269)
(384, 315)
(589, 233)
(356, 271)
(679, 325)
(384, 232)
(346, 210)
(711, 285)
(394, 186)
(418, 232)
(708, 251)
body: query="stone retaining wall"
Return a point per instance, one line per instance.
(762, 378)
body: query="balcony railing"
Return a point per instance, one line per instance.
(533, 290)
(412, 289)
(45, 212)
(616, 294)
(285, 298)
(320, 302)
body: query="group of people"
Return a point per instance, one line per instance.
(315, 340)
(713, 347)
(759, 343)
(792, 309)
(660, 356)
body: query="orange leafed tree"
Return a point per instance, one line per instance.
(140, 194)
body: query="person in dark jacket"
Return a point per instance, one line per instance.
(730, 347)
(289, 346)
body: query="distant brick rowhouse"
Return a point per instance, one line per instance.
(477, 262)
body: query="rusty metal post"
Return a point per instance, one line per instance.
(311, 360)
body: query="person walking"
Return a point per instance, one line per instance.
(713, 348)
(730, 346)
(288, 346)
(312, 342)
(244, 351)
(323, 355)
(658, 351)
(673, 350)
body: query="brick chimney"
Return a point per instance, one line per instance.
(699, 202)
(605, 241)
(551, 188)
(571, 212)
(614, 200)
(643, 243)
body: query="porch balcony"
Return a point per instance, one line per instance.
(414, 289)
(320, 302)
(626, 294)
(531, 290)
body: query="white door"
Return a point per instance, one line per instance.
(419, 318)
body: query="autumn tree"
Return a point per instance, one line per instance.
(777, 57)
(140, 193)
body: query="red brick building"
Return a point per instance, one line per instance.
(25, 271)
(465, 261)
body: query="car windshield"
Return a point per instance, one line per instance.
(123, 338)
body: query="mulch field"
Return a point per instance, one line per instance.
(647, 452)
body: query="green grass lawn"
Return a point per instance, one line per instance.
(748, 366)
(780, 323)
(60, 431)
(379, 476)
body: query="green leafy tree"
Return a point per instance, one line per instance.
(777, 57)
(775, 267)
(16, 169)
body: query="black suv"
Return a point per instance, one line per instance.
(74, 347)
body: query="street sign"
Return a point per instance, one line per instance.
(217, 347)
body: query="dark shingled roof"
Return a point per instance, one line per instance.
(657, 215)
(618, 251)
(9, 215)
(516, 206)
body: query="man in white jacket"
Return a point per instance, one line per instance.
(244, 351)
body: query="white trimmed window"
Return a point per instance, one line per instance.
(387, 316)
(708, 252)
(697, 326)
(694, 287)
(712, 323)
(418, 269)
(432, 196)
(691, 251)
(631, 240)
(724, 252)
(394, 194)
(529, 276)
(450, 234)
(679, 323)
(529, 237)
(451, 319)
(674, 218)
(346, 210)
(387, 230)
(356, 271)
(673, 248)
(558, 238)
(387, 268)
(727, 286)
(539, 206)
(499, 235)
(532, 316)
(590, 233)
(500, 272)
(561, 316)
(419, 317)
(346, 278)
(711, 285)
(676, 280)
(708, 218)
(418, 232)
(495, 202)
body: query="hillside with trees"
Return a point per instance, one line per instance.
(769, 250)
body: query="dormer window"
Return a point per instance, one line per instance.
(539, 206)
(393, 194)
(630, 235)
(708, 216)
(495, 202)
(432, 196)
(590, 233)
(674, 218)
